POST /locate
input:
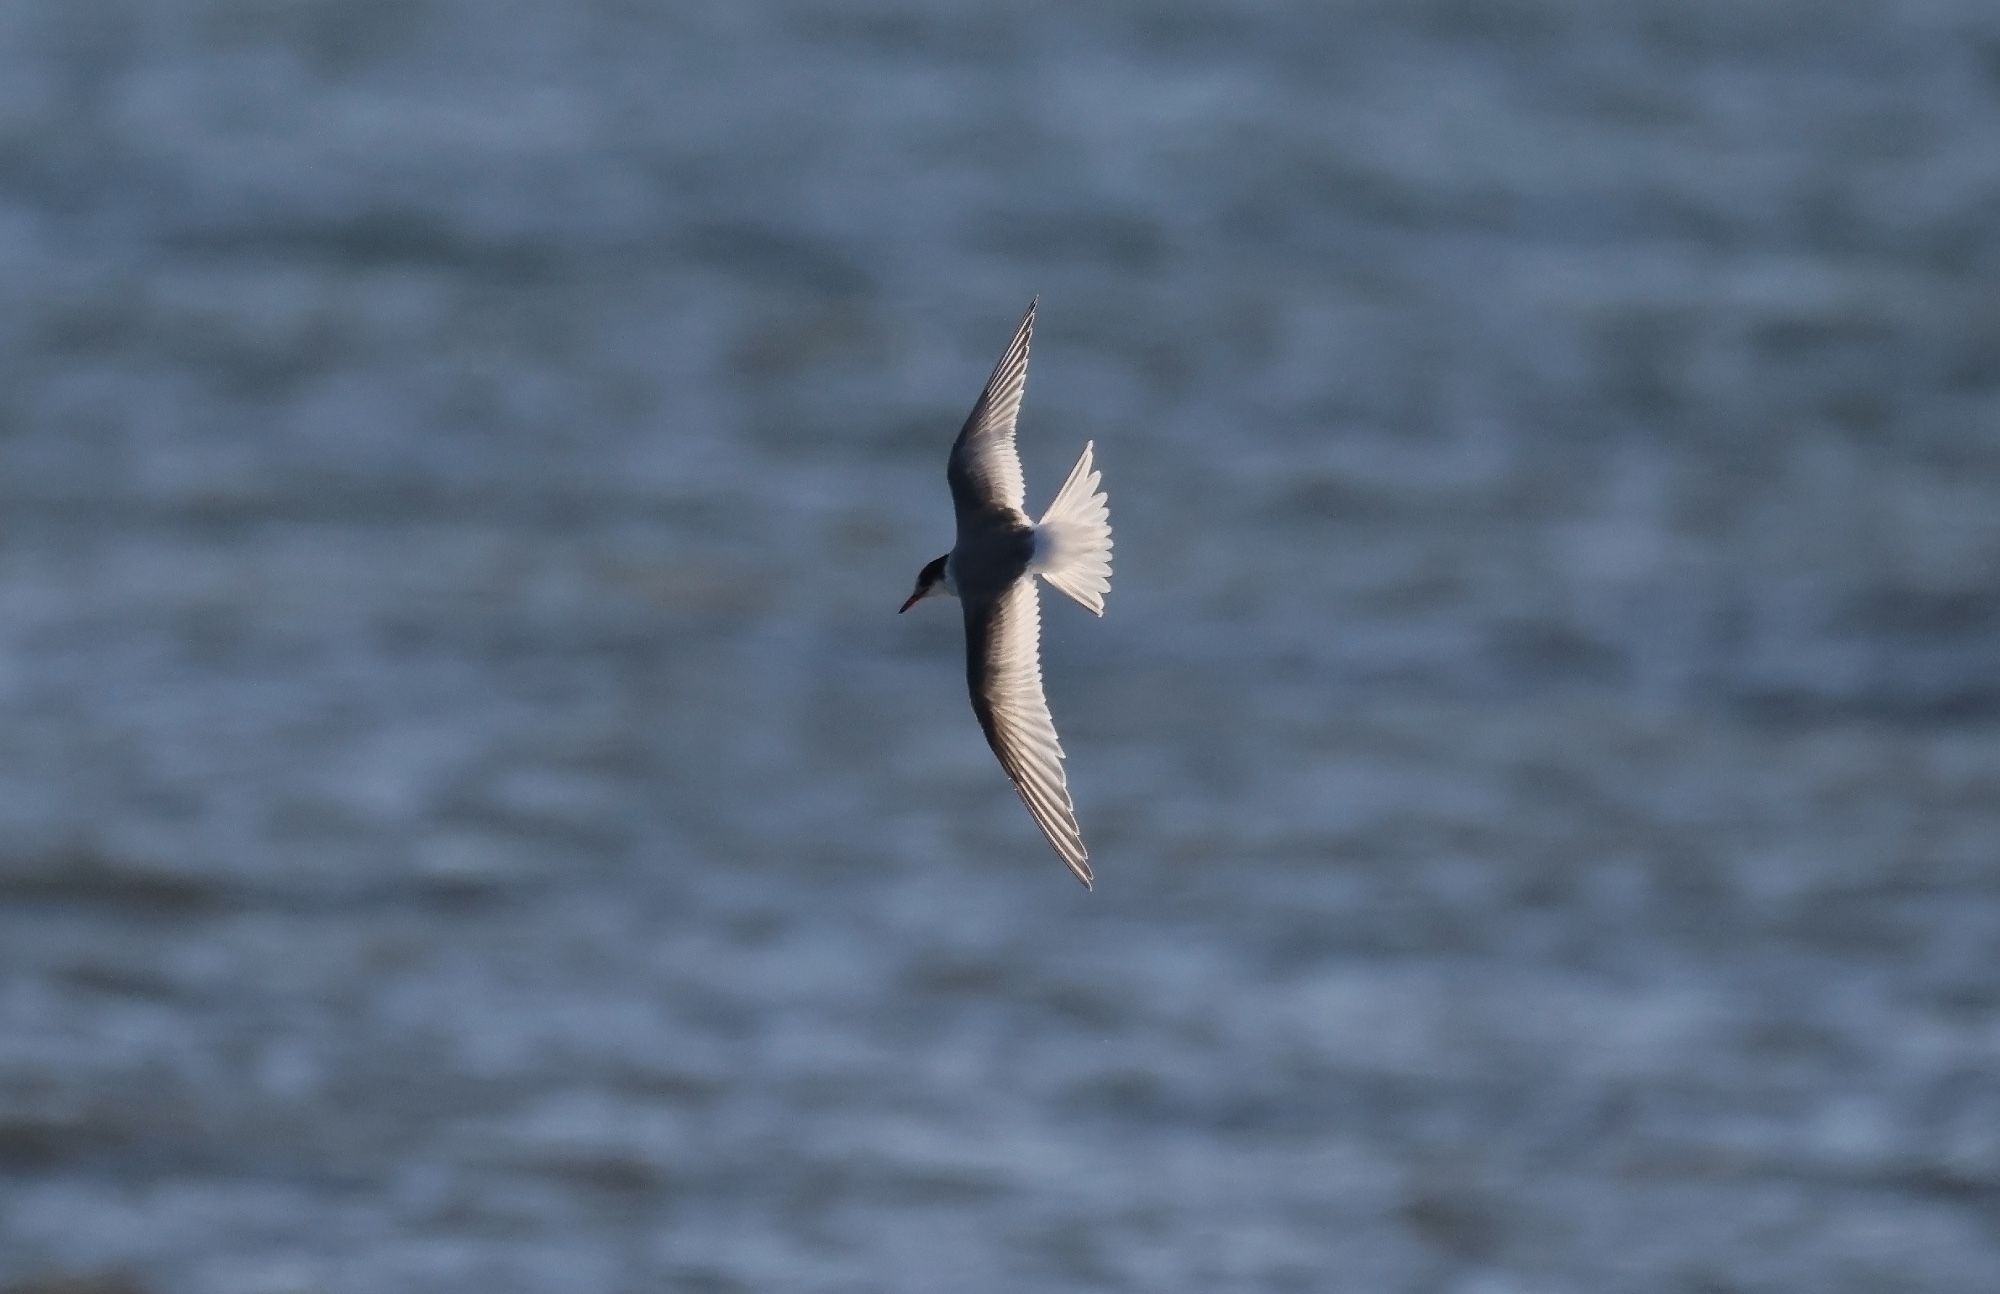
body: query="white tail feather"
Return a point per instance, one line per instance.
(1073, 540)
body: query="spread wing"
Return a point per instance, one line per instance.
(1004, 669)
(985, 468)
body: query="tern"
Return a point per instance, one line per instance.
(991, 570)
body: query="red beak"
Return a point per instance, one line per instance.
(915, 598)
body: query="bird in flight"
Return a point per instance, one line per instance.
(991, 570)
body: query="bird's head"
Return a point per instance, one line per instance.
(931, 582)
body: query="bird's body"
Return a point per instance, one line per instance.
(991, 570)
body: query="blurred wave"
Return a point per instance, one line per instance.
(471, 819)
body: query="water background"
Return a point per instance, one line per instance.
(471, 820)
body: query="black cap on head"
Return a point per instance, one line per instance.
(927, 579)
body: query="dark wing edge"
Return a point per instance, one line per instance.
(985, 468)
(1004, 672)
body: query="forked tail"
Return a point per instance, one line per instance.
(1073, 539)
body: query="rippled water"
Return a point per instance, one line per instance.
(471, 820)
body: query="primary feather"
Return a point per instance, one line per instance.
(1004, 672)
